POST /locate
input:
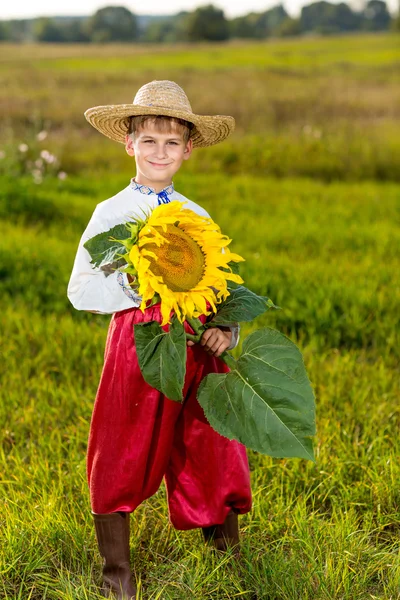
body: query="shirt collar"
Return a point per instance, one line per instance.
(145, 189)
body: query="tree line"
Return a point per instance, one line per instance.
(206, 23)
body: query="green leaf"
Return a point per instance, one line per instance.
(162, 356)
(233, 267)
(104, 250)
(241, 305)
(266, 401)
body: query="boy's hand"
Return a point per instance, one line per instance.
(215, 340)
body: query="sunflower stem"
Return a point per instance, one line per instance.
(228, 360)
(193, 338)
(196, 325)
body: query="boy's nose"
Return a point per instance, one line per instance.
(161, 151)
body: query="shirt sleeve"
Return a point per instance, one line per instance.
(92, 289)
(235, 329)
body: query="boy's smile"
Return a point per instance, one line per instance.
(158, 154)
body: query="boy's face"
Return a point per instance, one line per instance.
(158, 154)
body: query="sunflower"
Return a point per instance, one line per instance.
(184, 259)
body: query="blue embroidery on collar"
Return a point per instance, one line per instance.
(162, 196)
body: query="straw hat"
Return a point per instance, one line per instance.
(164, 98)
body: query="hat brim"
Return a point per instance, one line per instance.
(113, 121)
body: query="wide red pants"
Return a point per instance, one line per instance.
(137, 436)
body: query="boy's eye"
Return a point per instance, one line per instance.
(172, 142)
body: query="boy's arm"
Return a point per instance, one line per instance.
(93, 289)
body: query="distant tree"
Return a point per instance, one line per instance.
(19, 30)
(206, 23)
(310, 16)
(112, 24)
(273, 18)
(74, 30)
(47, 30)
(325, 17)
(241, 27)
(160, 31)
(376, 16)
(4, 31)
(259, 25)
(157, 31)
(289, 27)
(395, 24)
(169, 30)
(180, 22)
(245, 26)
(266, 22)
(344, 18)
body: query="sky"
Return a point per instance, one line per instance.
(19, 9)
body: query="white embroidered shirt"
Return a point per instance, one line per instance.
(92, 289)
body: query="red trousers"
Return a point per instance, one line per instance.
(138, 436)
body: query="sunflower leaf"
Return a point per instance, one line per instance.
(266, 401)
(162, 356)
(104, 250)
(241, 305)
(233, 267)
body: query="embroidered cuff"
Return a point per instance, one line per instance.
(235, 329)
(122, 279)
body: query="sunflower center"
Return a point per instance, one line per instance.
(180, 262)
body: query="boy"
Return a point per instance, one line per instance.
(137, 436)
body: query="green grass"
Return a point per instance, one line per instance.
(327, 255)
(363, 50)
(317, 218)
(314, 107)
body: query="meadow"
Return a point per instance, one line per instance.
(308, 187)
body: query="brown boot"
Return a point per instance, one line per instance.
(226, 535)
(112, 532)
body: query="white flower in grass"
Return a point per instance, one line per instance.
(37, 176)
(48, 157)
(23, 147)
(2, 154)
(42, 135)
(62, 175)
(39, 163)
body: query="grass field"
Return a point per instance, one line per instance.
(308, 187)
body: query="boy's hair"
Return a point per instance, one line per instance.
(162, 123)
